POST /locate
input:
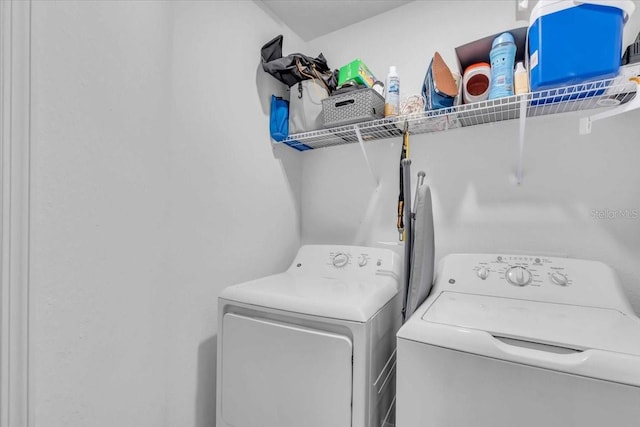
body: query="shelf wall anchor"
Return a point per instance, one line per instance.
(634, 104)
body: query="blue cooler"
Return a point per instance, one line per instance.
(572, 41)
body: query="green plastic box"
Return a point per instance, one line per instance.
(358, 72)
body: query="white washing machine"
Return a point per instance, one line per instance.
(520, 341)
(313, 346)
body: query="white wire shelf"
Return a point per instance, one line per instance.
(585, 96)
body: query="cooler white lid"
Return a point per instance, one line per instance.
(328, 297)
(547, 7)
(561, 325)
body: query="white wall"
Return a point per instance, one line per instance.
(99, 213)
(477, 206)
(235, 207)
(154, 186)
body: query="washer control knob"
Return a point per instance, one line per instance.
(483, 273)
(559, 279)
(518, 276)
(340, 260)
(362, 260)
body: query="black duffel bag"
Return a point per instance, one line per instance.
(296, 67)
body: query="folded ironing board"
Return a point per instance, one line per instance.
(420, 248)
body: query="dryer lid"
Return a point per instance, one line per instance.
(318, 296)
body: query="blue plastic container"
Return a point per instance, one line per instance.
(502, 55)
(571, 42)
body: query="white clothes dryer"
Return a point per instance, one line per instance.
(313, 346)
(522, 341)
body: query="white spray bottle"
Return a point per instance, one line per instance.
(392, 91)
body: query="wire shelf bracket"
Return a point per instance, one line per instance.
(374, 176)
(587, 122)
(521, 135)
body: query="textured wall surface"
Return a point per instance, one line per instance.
(100, 213)
(154, 186)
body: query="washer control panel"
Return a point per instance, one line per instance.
(521, 271)
(539, 278)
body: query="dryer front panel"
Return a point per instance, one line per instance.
(279, 375)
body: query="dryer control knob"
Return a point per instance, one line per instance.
(518, 276)
(559, 279)
(483, 273)
(340, 260)
(362, 260)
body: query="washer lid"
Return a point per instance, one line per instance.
(561, 325)
(592, 342)
(319, 296)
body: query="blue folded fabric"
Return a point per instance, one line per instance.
(279, 118)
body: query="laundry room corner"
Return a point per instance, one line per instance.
(235, 197)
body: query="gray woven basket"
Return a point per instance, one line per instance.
(352, 107)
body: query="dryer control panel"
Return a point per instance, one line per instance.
(347, 262)
(532, 277)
